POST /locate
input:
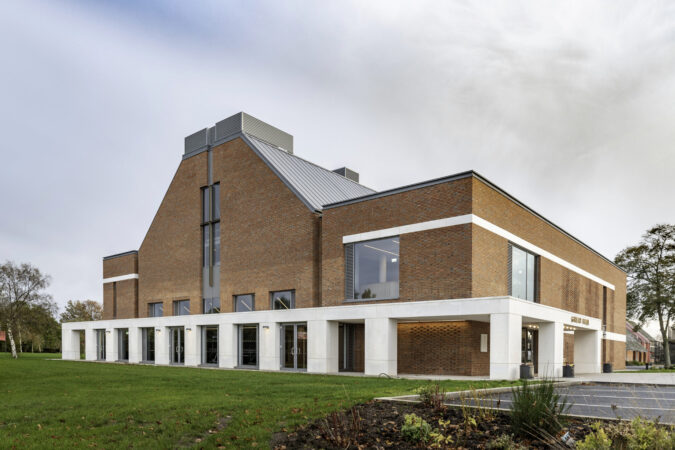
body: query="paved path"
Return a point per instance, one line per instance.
(624, 401)
(661, 378)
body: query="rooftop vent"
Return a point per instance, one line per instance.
(348, 173)
(239, 123)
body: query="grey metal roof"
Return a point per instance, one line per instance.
(315, 185)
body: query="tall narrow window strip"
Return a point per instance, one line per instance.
(216, 244)
(206, 208)
(523, 274)
(205, 244)
(216, 201)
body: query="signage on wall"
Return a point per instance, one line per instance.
(580, 320)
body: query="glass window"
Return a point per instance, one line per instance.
(248, 345)
(123, 344)
(283, 300)
(375, 269)
(244, 303)
(211, 305)
(155, 309)
(523, 274)
(206, 239)
(210, 345)
(216, 201)
(181, 308)
(148, 336)
(206, 208)
(216, 243)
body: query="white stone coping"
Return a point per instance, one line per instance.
(129, 276)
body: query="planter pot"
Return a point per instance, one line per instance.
(607, 368)
(568, 371)
(526, 371)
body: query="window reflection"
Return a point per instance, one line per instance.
(376, 269)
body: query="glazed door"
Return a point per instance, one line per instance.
(177, 345)
(294, 346)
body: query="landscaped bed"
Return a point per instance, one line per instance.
(381, 423)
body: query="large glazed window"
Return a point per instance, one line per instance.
(523, 274)
(372, 269)
(181, 308)
(283, 299)
(243, 303)
(248, 345)
(211, 305)
(156, 309)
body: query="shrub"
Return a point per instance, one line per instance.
(595, 440)
(636, 435)
(416, 429)
(503, 442)
(432, 395)
(537, 411)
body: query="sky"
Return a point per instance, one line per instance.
(568, 106)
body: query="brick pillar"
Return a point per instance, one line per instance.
(587, 351)
(381, 346)
(322, 346)
(505, 346)
(551, 349)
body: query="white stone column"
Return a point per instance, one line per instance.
(505, 346)
(135, 345)
(268, 346)
(381, 346)
(550, 354)
(192, 345)
(228, 344)
(90, 344)
(322, 346)
(162, 345)
(70, 344)
(587, 351)
(111, 344)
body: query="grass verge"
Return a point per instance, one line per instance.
(64, 404)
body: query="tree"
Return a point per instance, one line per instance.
(650, 266)
(21, 289)
(82, 311)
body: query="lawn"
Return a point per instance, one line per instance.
(63, 404)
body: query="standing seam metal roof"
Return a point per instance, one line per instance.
(318, 186)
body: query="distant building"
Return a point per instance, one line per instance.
(637, 345)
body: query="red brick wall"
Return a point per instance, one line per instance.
(442, 348)
(169, 259)
(269, 238)
(426, 271)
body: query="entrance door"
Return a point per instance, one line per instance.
(210, 346)
(294, 346)
(148, 344)
(100, 345)
(248, 345)
(529, 347)
(177, 342)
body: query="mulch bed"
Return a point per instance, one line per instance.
(379, 426)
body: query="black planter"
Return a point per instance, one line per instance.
(568, 371)
(607, 368)
(526, 371)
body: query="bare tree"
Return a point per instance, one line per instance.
(651, 279)
(21, 289)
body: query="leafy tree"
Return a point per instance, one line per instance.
(21, 289)
(82, 311)
(41, 328)
(651, 279)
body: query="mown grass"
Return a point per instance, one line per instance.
(64, 404)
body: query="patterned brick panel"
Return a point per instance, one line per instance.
(442, 348)
(568, 348)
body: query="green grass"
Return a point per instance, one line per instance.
(64, 404)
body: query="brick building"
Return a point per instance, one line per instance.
(258, 258)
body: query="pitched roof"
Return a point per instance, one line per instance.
(314, 185)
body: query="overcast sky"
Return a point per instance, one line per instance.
(568, 106)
